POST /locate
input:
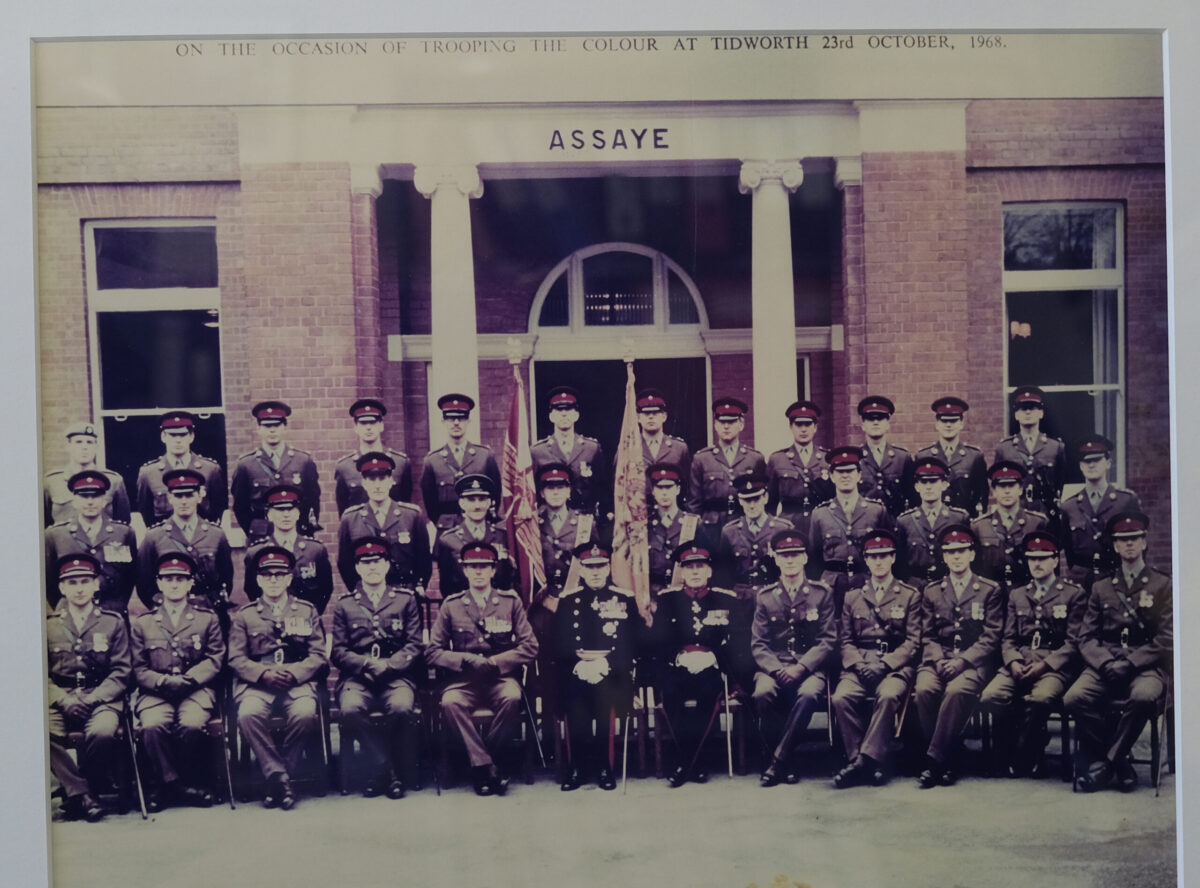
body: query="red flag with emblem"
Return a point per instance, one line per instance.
(631, 551)
(518, 499)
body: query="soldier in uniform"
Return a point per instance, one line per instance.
(798, 476)
(964, 615)
(274, 462)
(710, 493)
(919, 526)
(968, 470)
(109, 541)
(450, 462)
(1043, 458)
(185, 531)
(657, 446)
(793, 642)
(887, 470)
(1126, 642)
(1084, 515)
(401, 524)
(89, 674)
(178, 652)
(482, 638)
(313, 580)
(881, 642)
(591, 486)
(668, 525)
(1040, 655)
(594, 638)
(82, 441)
(476, 497)
(368, 414)
(1001, 530)
(377, 650)
(743, 559)
(177, 429)
(277, 655)
(563, 530)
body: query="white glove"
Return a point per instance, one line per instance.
(696, 661)
(591, 671)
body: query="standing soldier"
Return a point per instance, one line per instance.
(89, 673)
(1126, 642)
(82, 441)
(400, 524)
(277, 655)
(657, 446)
(1085, 514)
(920, 526)
(563, 530)
(178, 653)
(456, 458)
(887, 470)
(1040, 655)
(274, 462)
(313, 581)
(1001, 530)
(668, 526)
(968, 470)
(109, 541)
(744, 561)
(793, 641)
(185, 531)
(798, 476)
(476, 496)
(377, 649)
(177, 430)
(591, 487)
(711, 493)
(1044, 458)
(881, 642)
(964, 614)
(482, 637)
(368, 414)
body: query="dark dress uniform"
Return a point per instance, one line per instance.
(442, 471)
(890, 481)
(835, 541)
(663, 536)
(999, 555)
(1089, 555)
(313, 572)
(207, 547)
(1045, 470)
(408, 541)
(797, 488)
(58, 501)
(255, 474)
(917, 560)
(591, 484)
(152, 502)
(557, 545)
(114, 547)
(450, 543)
(347, 479)
(968, 476)
(710, 492)
(670, 450)
(743, 559)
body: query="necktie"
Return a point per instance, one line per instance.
(1094, 496)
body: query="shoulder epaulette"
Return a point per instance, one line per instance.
(159, 523)
(390, 451)
(675, 438)
(875, 500)
(248, 454)
(721, 591)
(621, 590)
(914, 511)
(407, 505)
(662, 592)
(298, 450)
(454, 596)
(507, 593)
(112, 613)
(1037, 514)
(151, 462)
(345, 595)
(55, 472)
(709, 449)
(359, 507)
(351, 455)
(202, 605)
(589, 438)
(203, 458)
(249, 605)
(307, 538)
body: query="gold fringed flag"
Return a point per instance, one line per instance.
(631, 554)
(518, 499)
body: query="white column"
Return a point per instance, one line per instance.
(455, 365)
(772, 305)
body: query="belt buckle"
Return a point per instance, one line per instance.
(1125, 637)
(883, 646)
(1036, 642)
(279, 655)
(957, 642)
(375, 651)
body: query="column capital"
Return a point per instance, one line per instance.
(788, 173)
(465, 177)
(365, 178)
(848, 172)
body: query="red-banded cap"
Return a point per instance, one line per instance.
(89, 482)
(367, 410)
(879, 542)
(876, 405)
(1126, 525)
(563, 397)
(691, 553)
(456, 405)
(1094, 447)
(1039, 544)
(651, 401)
(182, 481)
(729, 408)
(271, 412)
(930, 468)
(788, 541)
(956, 536)
(663, 474)
(369, 548)
(375, 463)
(177, 419)
(1006, 471)
(478, 553)
(80, 564)
(803, 410)
(949, 407)
(592, 554)
(1028, 396)
(283, 496)
(844, 458)
(554, 473)
(274, 558)
(175, 564)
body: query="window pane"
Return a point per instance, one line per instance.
(618, 290)
(1040, 240)
(555, 310)
(159, 359)
(1062, 338)
(145, 258)
(1074, 415)
(682, 308)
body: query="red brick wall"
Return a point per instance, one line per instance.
(849, 308)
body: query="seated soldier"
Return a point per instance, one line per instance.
(277, 654)
(89, 675)
(178, 652)
(377, 648)
(476, 496)
(881, 640)
(313, 580)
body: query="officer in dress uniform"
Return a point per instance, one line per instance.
(368, 414)
(89, 675)
(1001, 530)
(178, 652)
(887, 470)
(1126, 642)
(177, 429)
(743, 559)
(591, 486)
(657, 446)
(482, 638)
(594, 634)
(668, 525)
(476, 497)
(58, 502)
(377, 650)
(277, 655)
(401, 524)
(964, 615)
(450, 462)
(798, 476)
(968, 470)
(1040, 653)
(710, 492)
(313, 579)
(919, 527)
(109, 541)
(1084, 515)
(274, 462)
(563, 530)
(881, 642)
(1044, 458)
(793, 642)
(185, 531)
